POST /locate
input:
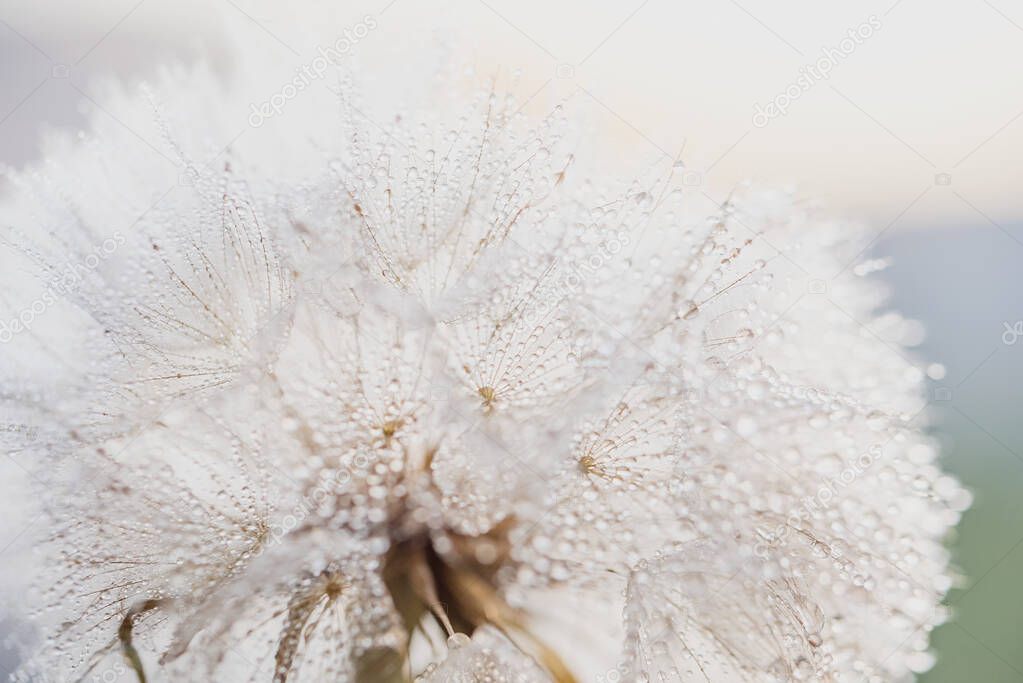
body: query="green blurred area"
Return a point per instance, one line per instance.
(982, 641)
(966, 285)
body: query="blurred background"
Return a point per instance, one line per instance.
(904, 115)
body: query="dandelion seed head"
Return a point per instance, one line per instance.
(364, 425)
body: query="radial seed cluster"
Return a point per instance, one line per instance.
(459, 407)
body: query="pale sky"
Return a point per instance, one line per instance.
(918, 123)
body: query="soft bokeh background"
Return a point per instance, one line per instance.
(917, 131)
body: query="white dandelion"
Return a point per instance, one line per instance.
(447, 410)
